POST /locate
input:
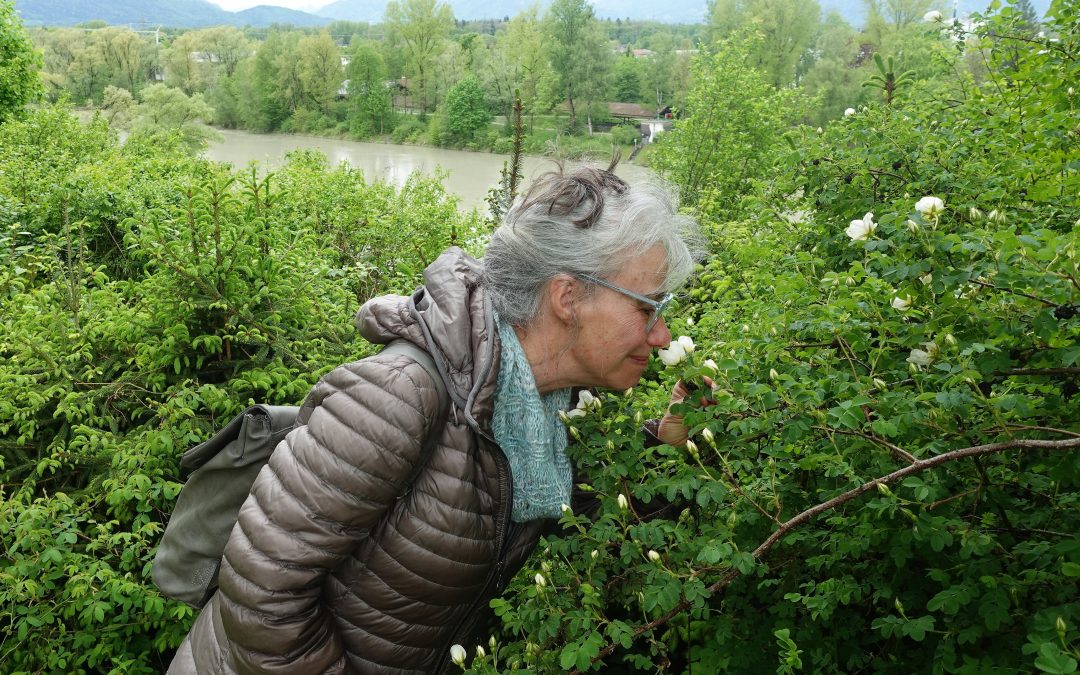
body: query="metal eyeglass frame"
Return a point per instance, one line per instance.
(658, 305)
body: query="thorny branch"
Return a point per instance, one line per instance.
(815, 511)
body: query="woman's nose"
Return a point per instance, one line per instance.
(659, 335)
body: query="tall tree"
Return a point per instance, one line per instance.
(369, 97)
(88, 73)
(661, 71)
(266, 93)
(786, 27)
(122, 48)
(885, 18)
(898, 13)
(578, 52)
(185, 66)
(225, 45)
(319, 70)
(832, 76)
(421, 27)
(626, 81)
(19, 63)
(516, 62)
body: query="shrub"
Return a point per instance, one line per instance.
(625, 134)
(235, 287)
(408, 129)
(886, 478)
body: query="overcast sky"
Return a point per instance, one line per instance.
(304, 5)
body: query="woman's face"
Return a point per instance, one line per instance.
(612, 348)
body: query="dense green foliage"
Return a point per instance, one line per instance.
(885, 478)
(145, 297)
(465, 111)
(20, 80)
(845, 355)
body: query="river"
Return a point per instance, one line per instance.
(470, 174)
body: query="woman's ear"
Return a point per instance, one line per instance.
(563, 292)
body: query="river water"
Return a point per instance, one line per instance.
(470, 174)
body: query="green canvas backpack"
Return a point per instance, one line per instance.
(221, 472)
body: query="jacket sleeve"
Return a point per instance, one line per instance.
(326, 486)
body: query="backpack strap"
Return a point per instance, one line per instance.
(409, 349)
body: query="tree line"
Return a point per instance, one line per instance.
(422, 76)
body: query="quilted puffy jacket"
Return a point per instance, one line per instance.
(342, 561)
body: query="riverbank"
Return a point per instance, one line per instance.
(467, 174)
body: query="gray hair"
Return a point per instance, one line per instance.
(587, 221)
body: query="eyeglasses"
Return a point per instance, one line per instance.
(658, 305)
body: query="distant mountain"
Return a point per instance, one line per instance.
(264, 15)
(197, 13)
(178, 13)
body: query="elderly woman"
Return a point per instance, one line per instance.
(353, 554)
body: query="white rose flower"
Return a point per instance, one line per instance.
(860, 230)
(565, 508)
(654, 556)
(711, 365)
(623, 504)
(585, 399)
(594, 554)
(708, 435)
(902, 304)
(912, 226)
(673, 355)
(933, 16)
(687, 343)
(919, 357)
(926, 279)
(540, 580)
(480, 653)
(576, 412)
(930, 206)
(848, 112)
(923, 357)
(457, 655)
(689, 321)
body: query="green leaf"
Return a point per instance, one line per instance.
(1052, 660)
(917, 629)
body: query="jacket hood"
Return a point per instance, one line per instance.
(450, 318)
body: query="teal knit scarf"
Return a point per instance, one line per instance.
(527, 427)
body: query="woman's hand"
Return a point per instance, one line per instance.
(672, 430)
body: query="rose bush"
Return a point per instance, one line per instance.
(888, 479)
